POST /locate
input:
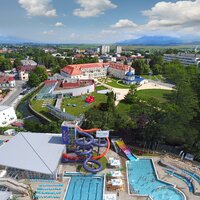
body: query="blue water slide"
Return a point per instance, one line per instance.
(85, 148)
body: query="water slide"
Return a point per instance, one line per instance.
(126, 150)
(84, 148)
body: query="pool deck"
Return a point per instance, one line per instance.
(123, 195)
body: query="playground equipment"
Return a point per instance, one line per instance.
(89, 99)
(84, 150)
(126, 150)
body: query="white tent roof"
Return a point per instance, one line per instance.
(5, 195)
(37, 152)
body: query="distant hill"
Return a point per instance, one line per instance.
(12, 40)
(153, 41)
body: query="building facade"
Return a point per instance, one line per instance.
(119, 70)
(7, 82)
(119, 50)
(7, 116)
(85, 71)
(105, 49)
(185, 58)
(23, 72)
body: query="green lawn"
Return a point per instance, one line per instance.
(158, 94)
(154, 77)
(81, 106)
(39, 106)
(123, 107)
(116, 83)
(100, 88)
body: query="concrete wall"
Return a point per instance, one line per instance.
(76, 91)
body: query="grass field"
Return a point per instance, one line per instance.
(154, 77)
(81, 106)
(158, 94)
(39, 106)
(116, 83)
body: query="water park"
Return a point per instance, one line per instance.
(81, 164)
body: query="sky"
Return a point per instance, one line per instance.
(98, 21)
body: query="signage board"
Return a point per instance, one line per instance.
(65, 133)
(102, 134)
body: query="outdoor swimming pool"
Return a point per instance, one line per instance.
(192, 174)
(85, 187)
(1, 142)
(186, 180)
(143, 181)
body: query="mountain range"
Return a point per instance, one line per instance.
(157, 41)
(142, 41)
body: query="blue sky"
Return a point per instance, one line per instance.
(98, 21)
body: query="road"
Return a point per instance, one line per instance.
(13, 94)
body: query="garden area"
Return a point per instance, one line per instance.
(77, 105)
(40, 106)
(154, 77)
(114, 82)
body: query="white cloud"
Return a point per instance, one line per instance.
(59, 24)
(50, 32)
(91, 8)
(38, 7)
(181, 18)
(168, 14)
(124, 23)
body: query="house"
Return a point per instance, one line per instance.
(7, 115)
(7, 82)
(23, 71)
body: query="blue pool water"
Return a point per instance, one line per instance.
(143, 181)
(85, 187)
(187, 181)
(193, 175)
(1, 142)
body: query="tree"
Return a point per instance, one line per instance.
(34, 80)
(156, 69)
(41, 73)
(156, 59)
(140, 67)
(17, 62)
(5, 64)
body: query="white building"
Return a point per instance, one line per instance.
(185, 58)
(7, 115)
(105, 49)
(119, 70)
(85, 71)
(119, 50)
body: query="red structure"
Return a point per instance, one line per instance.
(89, 99)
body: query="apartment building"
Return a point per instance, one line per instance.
(185, 58)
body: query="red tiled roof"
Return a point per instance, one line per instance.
(74, 70)
(49, 82)
(27, 68)
(6, 79)
(119, 66)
